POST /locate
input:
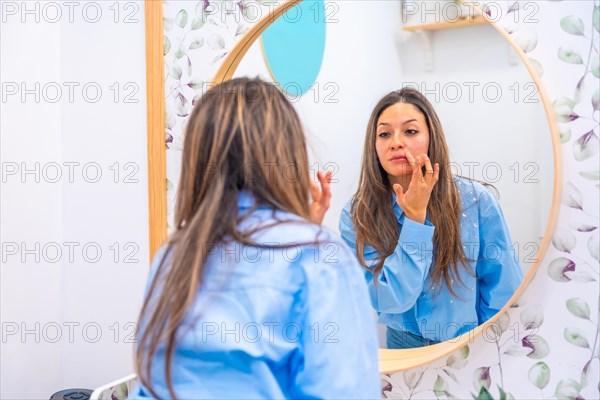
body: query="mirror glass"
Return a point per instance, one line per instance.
(488, 104)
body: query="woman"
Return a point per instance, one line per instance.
(435, 247)
(245, 300)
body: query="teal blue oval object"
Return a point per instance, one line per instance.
(294, 46)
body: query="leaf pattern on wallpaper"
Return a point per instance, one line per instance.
(575, 337)
(181, 18)
(537, 65)
(563, 109)
(440, 387)
(434, 380)
(196, 44)
(481, 378)
(532, 316)
(579, 226)
(593, 245)
(565, 270)
(539, 374)
(591, 175)
(514, 340)
(565, 134)
(570, 55)
(564, 240)
(581, 276)
(526, 39)
(167, 46)
(197, 36)
(459, 358)
(180, 52)
(190, 29)
(580, 86)
(586, 374)
(572, 196)
(586, 146)
(215, 41)
(579, 308)
(567, 389)
(538, 345)
(572, 24)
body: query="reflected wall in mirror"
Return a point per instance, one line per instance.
(489, 106)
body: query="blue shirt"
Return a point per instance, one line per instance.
(275, 323)
(403, 295)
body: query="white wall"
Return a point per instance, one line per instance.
(63, 301)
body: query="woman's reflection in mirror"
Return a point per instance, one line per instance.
(435, 247)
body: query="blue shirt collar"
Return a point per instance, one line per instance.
(247, 199)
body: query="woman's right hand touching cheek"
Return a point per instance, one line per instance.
(414, 201)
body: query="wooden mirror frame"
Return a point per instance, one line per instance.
(389, 360)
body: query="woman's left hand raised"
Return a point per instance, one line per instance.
(320, 197)
(416, 198)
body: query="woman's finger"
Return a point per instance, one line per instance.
(399, 194)
(429, 171)
(314, 191)
(436, 173)
(325, 180)
(411, 161)
(417, 175)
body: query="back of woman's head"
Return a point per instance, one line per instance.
(242, 135)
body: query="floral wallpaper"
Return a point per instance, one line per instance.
(547, 344)
(198, 35)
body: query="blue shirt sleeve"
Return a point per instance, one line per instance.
(339, 356)
(401, 280)
(498, 271)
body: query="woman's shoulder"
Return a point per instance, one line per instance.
(287, 227)
(471, 190)
(348, 204)
(317, 255)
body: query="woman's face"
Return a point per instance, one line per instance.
(400, 128)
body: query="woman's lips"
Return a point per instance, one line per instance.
(397, 159)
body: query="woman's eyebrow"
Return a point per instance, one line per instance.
(404, 123)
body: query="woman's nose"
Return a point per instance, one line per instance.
(397, 142)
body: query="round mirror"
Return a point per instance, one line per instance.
(485, 91)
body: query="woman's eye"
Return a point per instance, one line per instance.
(412, 131)
(383, 134)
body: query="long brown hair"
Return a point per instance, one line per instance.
(372, 209)
(241, 135)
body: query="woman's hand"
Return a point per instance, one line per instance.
(320, 197)
(414, 201)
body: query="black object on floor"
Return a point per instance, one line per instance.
(72, 394)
